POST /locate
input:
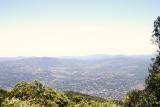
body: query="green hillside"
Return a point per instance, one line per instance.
(35, 94)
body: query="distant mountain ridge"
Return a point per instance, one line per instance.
(100, 75)
(105, 56)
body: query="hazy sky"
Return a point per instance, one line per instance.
(76, 27)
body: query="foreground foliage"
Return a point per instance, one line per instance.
(35, 94)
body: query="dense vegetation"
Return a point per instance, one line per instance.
(35, 94)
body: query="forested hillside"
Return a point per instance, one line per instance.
(35, 94)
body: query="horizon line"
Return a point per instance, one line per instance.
(146, 54)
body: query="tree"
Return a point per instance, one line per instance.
(140, 98)
(3, 95)
(35, 93)
(150, 96)
(153, 80)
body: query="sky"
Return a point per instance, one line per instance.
(76, 27)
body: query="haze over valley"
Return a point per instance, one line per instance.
(106, 76)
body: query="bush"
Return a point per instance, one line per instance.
(3, 95)
(140, 98)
